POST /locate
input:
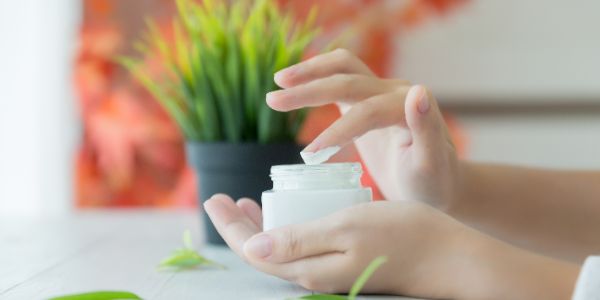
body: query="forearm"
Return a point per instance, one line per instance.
(497, 270)
(553, 212)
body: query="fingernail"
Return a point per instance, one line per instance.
(281, 75)
(260, 246)
(314, 146)
(423, 105)
(286, 71)
(209, 198)
(269, 97)
(278, 77)
(281, 100)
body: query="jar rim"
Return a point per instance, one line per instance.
(327, 168)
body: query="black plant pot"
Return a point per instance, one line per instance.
(239, 170)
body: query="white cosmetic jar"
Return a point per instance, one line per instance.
(306, 192)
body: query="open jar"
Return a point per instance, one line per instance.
(306, 192)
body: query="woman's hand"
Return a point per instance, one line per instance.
(429, 254)
(328, 254)
(398, 128)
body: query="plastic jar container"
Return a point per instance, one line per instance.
(306, 192)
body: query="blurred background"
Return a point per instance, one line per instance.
(519, 82)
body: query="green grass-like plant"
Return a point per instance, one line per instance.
(218, 64)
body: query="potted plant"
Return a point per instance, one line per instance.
(217, 65)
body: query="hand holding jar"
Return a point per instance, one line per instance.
(430, 254)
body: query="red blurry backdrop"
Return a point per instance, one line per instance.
(132, 154)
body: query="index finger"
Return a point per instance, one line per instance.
(339, 61)
(376, 112)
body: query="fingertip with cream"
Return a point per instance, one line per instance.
(319, 156)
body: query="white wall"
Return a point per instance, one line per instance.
(534, 50)
(551, 140)
(514, 53)
(38, 127)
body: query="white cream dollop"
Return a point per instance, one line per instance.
(321, 156)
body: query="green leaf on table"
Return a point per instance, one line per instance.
(99, 295)
(356, 287)
(322, 297)
(187, 257)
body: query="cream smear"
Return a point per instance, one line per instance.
(319, 157)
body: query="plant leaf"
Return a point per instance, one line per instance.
(99, 295)
(356, 287)
(187, 257)
(187, 239)
(217, 64)
(321, 297)
(364, 277)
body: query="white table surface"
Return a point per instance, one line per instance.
(119, 250)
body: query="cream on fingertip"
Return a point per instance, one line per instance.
(320, 156)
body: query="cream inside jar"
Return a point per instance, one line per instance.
(306, 192)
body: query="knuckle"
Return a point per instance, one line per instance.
(291, 243)
(343, 223)
(344, 55)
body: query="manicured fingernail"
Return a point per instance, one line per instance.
(287, 71)
(280, 76)
(315, 145)
(312, 147)
(260, 246)
(209, 198)
(269, 97)
(281, 100)
(423, 105)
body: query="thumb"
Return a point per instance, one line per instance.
(291, 243)
(424, 118)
